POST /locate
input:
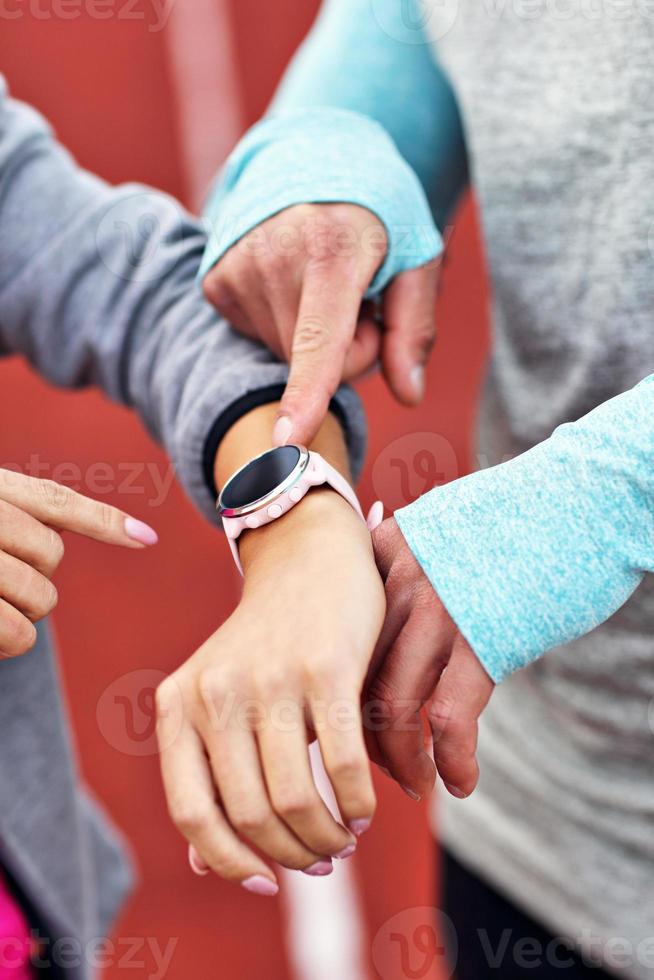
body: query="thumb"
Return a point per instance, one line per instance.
(462, 694)
(410, 321)
(327, 320)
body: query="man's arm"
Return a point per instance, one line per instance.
(363, 94)
(486, 574)
(97, 286)
(538, 551)
(376, 59)
(363, 142)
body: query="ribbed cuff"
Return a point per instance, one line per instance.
(322, 155)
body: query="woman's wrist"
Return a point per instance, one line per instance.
(321, 519)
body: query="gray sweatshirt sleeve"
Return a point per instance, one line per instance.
(98, 286)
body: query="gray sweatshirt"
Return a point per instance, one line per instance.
(97, 286)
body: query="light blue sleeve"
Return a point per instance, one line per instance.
(540, 550)
(363, 115)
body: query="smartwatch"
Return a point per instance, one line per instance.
(272, 483)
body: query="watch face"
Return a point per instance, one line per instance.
(260, 477)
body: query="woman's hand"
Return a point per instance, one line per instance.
(422, 661)
(297, 283)
(236, 719)
(32, 513)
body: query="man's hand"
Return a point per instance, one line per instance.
(32, 513)
(236, 719)
(422, 660)
(297, 283)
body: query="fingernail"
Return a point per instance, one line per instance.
(198, 866)
(385, 771)
(319, 869)
(359, 826)
(346, 852)
(418, 380)
(138, 531)
(455, 791)
(282, 431)
(260, 885)
(411, 793)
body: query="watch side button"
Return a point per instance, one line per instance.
(252, 521)
(296, 494)
(274, 511)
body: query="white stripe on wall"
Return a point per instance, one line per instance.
(325, 929)
(325, 926)
(205, 82)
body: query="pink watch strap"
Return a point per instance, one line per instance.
(318, 472)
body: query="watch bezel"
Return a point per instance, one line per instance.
(273, 495)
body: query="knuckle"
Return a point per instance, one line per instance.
(56, 495)
(291, 802)
(461, 732)
(190, 818)
(228, 866)
(272, 684)
(219, 293)
(424, 336)
(271, 266)
(105, 515)
(348, 766)
(319, 673)
(312, 335)
(251, 821)
(215, 686)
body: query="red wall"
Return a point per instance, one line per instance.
(106, 86)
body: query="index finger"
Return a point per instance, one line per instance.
(325, 328)
(66, 510)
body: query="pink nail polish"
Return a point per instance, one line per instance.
(198, 866)
(260, 885)
(346, 852)
(455, 791)
(411, 794)
(359, 826)
(138, 531)
(282, 431)
(319, 869)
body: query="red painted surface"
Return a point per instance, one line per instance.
(105, 86)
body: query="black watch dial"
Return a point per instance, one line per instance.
(260, 477)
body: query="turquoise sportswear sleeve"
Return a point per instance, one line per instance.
(363, 115)
(536, 552)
